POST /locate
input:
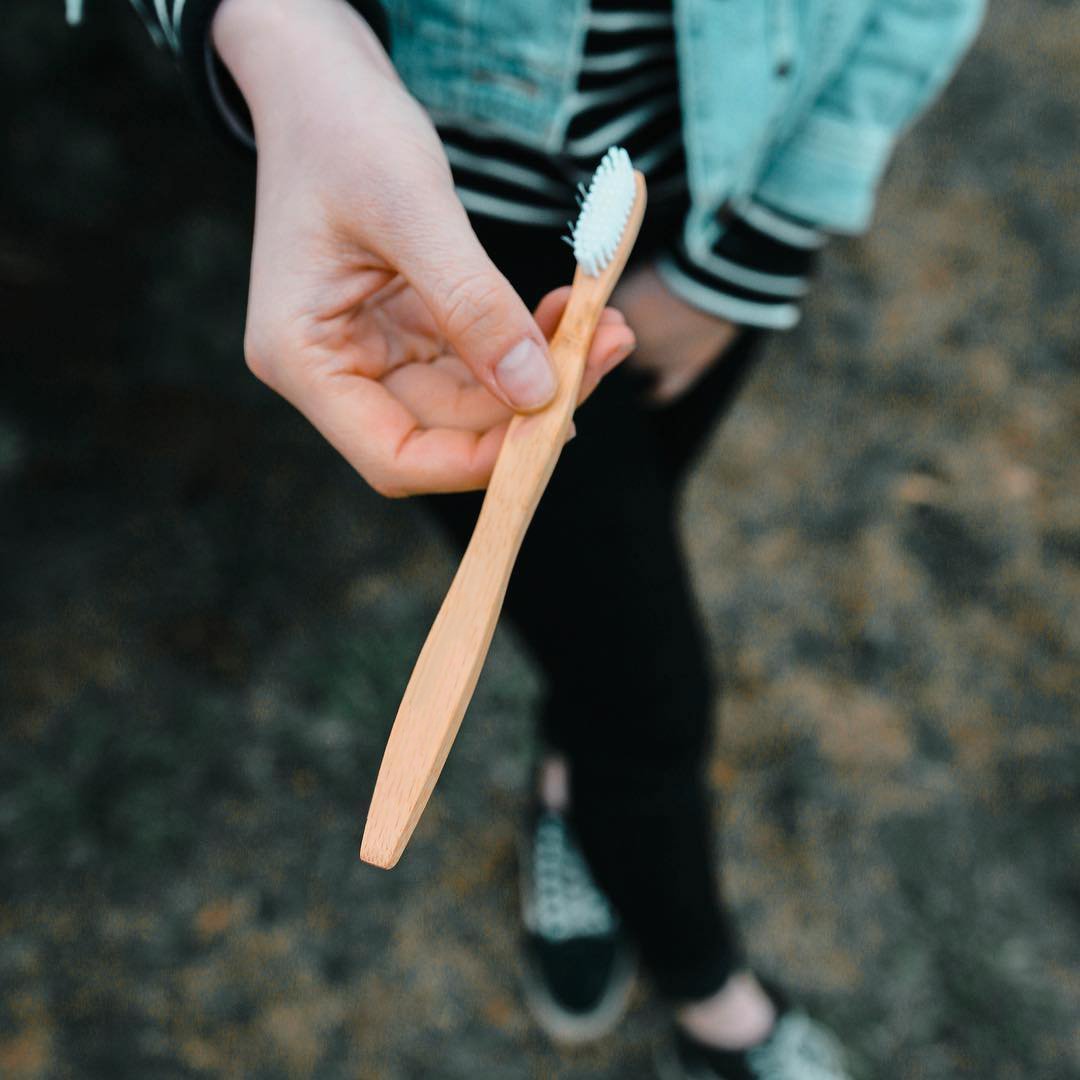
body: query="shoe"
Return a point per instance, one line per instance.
(578, 965)
(798, 1048)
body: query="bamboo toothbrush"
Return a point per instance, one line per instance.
(449, 664)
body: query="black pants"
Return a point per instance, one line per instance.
(601, 596)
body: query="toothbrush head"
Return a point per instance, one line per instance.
(605, 210)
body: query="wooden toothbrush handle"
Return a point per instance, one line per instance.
(449, 665)
(450, 662)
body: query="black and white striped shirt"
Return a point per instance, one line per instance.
(750, 266)
(626, 95)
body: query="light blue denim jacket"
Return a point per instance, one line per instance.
(796, 103)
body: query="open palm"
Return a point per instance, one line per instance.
(372, 359)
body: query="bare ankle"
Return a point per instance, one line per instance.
(740, 1014)
(553, 783)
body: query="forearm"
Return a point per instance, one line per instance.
(279, 52)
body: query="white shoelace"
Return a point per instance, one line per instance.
(799, 1049)
(564, 903)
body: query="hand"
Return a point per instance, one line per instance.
(373, 308)
(676, 343)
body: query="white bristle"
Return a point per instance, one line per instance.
(604, 212)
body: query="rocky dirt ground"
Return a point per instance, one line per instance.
(206, 621)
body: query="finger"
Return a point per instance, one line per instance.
(386, 444)
(550, 310)
(611, 345)
(434, 461)
(455, 368)
(612, 316)
(438, 398)
(474, 306)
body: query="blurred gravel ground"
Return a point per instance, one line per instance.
(206, 621)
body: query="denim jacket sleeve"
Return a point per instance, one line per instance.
(828, 169)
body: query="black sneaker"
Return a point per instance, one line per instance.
(578, 966)
(797, 1049)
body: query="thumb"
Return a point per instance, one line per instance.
(479, 312)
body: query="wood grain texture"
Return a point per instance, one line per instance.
(449, 665)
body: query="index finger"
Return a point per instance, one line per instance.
(387, 444)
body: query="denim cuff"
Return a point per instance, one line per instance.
(828, 173)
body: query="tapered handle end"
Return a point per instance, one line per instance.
(414, 757)
(377, 849)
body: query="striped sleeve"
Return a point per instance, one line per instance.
(183, 26)
(173, 23)
(751, 267)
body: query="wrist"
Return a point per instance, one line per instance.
(273, 47)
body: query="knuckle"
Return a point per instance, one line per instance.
(388, 488)
(385, 480)
(472, 305)
(259, 351)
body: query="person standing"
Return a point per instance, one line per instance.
(416, 163)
